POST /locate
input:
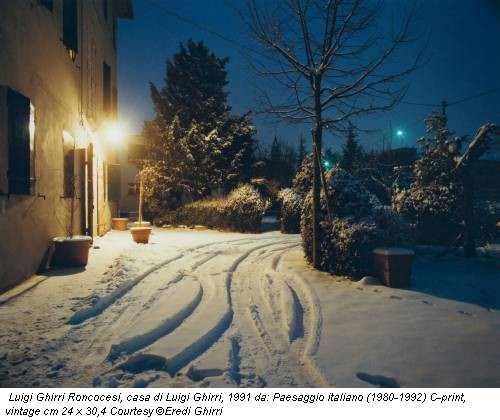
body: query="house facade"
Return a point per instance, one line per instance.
(57, 92)
(129, 158)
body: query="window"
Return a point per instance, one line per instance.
(133, 188)
(106, 89)
(48, 4)
(68, 165)
(70, 26)
(21, 144)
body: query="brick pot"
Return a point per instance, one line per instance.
(71, 252)
(393, 266)
(140, 234)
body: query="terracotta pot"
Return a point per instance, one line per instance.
(140, 234)
(119, 223)
(71, 252)
(393, 266)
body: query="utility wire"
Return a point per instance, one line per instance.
(245, 47)
(479, 95)
(204, 28)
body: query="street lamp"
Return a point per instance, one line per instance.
(114, 132)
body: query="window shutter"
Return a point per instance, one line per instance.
(70, 24)
(106, 89)
(69, 173)
(19, 143)
(114, 181)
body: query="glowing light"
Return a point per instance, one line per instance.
(400, 133)
(114, 132)
(327, 164)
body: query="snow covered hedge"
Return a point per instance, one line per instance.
(302, 182)
(358, 225)
(433, 202)
(290, 210)
(241, 211)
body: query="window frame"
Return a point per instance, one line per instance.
(21, 145)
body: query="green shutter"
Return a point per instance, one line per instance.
(19, 143)
(114, 181)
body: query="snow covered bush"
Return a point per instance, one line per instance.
(290, 210)
(302, 182)
(350, 197)
(240, 211)
(433, 211)
(244, 209)
(394, 230)
(357, 226)
(347, 249)
(433, 201)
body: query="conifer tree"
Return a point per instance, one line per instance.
(352, 153)
(195, 146)
(301, 151)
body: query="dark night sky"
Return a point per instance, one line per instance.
(463, 52)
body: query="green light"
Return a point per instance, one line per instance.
(399, 133)
(327, 164)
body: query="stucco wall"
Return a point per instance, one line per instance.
(34, 62)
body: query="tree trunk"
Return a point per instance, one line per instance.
(317, 136)
(316, 207)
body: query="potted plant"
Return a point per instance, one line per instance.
(71, 250)
(142, 230)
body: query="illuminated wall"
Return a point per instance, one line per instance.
(66, 89)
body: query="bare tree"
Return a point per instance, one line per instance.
(333, 63)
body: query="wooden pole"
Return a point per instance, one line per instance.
(140, 200)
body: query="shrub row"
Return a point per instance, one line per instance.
(240, 211)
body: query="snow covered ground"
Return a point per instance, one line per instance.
(205, 308)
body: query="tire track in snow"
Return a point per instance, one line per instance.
(104, 302)
(186, 306)
(120, 313)
(288, 353)
(179, 349)
(283, 366)
(312, 322)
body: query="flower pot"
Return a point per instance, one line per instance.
(140, 234)
(119, 223)
(142, 224)
(71, 251)
(393, 266)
